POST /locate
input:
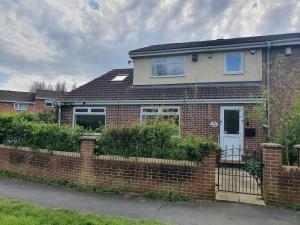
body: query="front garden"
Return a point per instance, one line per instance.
(157, 139)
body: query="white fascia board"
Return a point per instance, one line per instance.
(6, 101)
(295, 41)
(167, 102)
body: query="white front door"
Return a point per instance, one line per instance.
(232, 132)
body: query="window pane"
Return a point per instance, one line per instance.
(23, 107)
(168, 66)
(231, 122)
(159, 70)
(49, 103)
(171, 118)
(150, 110)
(90, 121)
(170, 110)
(147, 118)
(97, 110)
(81, 110)
(233, 62)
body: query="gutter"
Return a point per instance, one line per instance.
(294, 41)
(167, 102)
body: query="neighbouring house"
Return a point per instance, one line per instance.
(40, 101)
(208, 86)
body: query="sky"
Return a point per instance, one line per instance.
(78, 40)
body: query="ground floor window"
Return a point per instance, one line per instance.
(89, 117)
(168, 112)
(21, 106)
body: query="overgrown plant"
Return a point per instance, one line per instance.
(254, 168)
(157, 139)
(28, 131)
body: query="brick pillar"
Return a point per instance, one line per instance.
(272, 161)
(86, 152)
(297, 147)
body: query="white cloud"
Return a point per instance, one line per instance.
(79, 40)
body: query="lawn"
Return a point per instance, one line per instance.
(21, 213)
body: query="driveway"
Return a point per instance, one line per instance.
(183, 213)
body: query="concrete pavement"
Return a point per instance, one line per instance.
(182, 213)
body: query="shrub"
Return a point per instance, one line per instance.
(25, 130)
(157, 139)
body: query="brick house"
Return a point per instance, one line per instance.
(40, 101)
(208, 86)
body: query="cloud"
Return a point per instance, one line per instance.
(77, 40)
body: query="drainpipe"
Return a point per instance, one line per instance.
(268, 87)
(59, 113)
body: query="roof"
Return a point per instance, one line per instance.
(102, 88)
(217, 42)
(48, 94)
(13, 96)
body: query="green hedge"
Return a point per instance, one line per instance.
(27, 130)
(158, 139)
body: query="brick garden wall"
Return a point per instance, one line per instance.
(133, 175)
(281, 184)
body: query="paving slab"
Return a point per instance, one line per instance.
(181, 213)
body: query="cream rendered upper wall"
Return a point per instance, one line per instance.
(205, 70)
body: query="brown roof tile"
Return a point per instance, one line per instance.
(102, 88)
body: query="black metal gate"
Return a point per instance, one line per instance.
(240, 171)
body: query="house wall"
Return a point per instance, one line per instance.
(202, 71)
(40, 106)
(194, 119)
(9, 107)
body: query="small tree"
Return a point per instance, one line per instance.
(283, 103)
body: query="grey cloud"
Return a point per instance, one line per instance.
(90, 37)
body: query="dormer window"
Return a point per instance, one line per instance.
(168, 67)
(233, 62)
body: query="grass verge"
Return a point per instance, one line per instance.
(21, 213)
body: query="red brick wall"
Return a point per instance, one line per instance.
(138, 175)
(281, 184)
(9, 107)
(40, 106)
(193, 119)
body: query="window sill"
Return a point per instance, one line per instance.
(169, 76)
(234, 73)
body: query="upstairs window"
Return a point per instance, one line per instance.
(233, 62)
(165, 67)
(49, 103)
(21, 106)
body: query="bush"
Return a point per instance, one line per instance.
(158, 139)
(26, 131)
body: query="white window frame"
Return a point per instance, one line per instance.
(17, 106)
(159, 112)
(89, 112)
(226, 71)
(49, 101)
(154, 61)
